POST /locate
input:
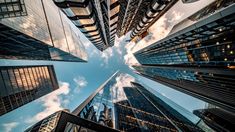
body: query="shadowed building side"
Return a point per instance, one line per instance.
(218, 119)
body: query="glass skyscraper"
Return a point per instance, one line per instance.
(43, 32)
(216, 118)
(61, 121)
(96, 19)
(197, 57)
(12, 8)
(20, 85)
(131, 108)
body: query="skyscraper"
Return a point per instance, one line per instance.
(197, 57)
(218, 119)
(20, 85)
(138, 15)
(96, 19)
(123, 109)
(38, 31)
(61, 121)
(12, 8)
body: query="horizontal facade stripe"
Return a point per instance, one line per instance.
(113, 24)
(113, 34)
(93, 15)
(66, 4)
(88, 25)
(113, 16)
(90, 36)
(113, 30)
(91, 31)
(112, 6)
(77, 17)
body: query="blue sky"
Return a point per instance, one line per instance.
(79, 80)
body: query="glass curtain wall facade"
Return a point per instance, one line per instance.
(60, 121)
(198, 59)
(45, 33)
(218, 119)
(181, 117)
(96, 19)
(20, 85)
(123, 109)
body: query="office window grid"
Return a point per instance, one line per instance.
(195, 46)
(20, 85)
(12, 8)
(171, 112)
(38, 36)
(146, 113)
(151, 119)
(214, 84)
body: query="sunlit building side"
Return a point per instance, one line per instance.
(20, 85)
(43, 33)
(197, 57)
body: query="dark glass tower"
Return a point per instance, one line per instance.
(197, 57)
(43, 33)
(96, 19)
(218, 119)
(131, 109)
(20, 85)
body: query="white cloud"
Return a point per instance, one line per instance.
(51, 102)
(106, 55)
(129, 58)
(10, 126)
(80, 83)
(87, 44)
(123, 80)
(118, 44)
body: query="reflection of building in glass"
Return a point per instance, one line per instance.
(20, 85)
(44, 33)
(96, 19)
(123, 109)
(198, 59)
(183, 119)
(218, 119)
(61, 121)
(138, 15)
(46, 125)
